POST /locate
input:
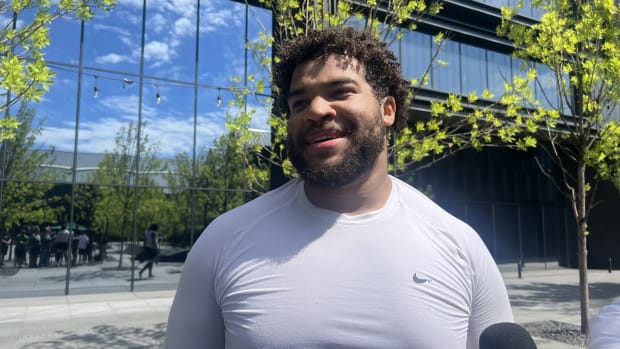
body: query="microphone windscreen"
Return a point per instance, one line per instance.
(506, 335)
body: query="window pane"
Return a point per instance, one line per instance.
(415, 54)
(474, 77)
(546, 91)
(498, 71)
(446, 76)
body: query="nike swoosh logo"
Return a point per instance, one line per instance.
(419, 280)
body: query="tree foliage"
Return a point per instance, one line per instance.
(571, 81)
(226, 176)
(23, 191)
(119, 175)
(24, 74)
(605, 154)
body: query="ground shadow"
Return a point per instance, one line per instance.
(104, 336)
(8, 271)
(540, 292)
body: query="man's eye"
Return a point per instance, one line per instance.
(342, 93)
(298, 105)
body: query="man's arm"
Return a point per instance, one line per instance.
(195, 319)
(490, 303)
(606, 327)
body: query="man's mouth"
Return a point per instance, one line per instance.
(323, 136)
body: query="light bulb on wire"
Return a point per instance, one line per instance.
(218, 102)
(127, 82)
(157, 95)
(96, 88)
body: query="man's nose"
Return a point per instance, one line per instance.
(320, 108)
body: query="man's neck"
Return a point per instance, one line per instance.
(367, 193)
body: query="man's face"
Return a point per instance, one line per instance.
(336, 128)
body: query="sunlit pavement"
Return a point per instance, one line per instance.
(101, 312)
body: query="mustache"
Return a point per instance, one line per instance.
(345, 127)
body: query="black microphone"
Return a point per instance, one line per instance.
(506, 335)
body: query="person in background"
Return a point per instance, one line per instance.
(83, 241)
(74, 248)
(6, 244)
(21, 247)
(150, 249)
(34, 246)
(46, 247)
(345, 256)
(61, 245)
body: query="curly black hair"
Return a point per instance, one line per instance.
(382, 68)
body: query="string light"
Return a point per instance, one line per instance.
(127, 82)
(157, 95)
(96, 88)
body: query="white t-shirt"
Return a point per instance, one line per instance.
(279, 272)
(150, 239)
(82, 241)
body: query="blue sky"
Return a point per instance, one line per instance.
(112, 44)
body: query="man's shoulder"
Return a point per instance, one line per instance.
(266, 206)
(415, 198)
(426, 209)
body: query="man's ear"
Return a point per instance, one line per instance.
(388, 109)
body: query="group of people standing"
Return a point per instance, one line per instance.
(35, 247)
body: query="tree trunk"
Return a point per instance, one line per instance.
(122, 243)
(582, 238)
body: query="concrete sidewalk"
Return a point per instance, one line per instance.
(552, 294)
(138, 319)
(105, 320)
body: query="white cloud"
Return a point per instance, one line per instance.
(157, 23)
(125, 106)
(185, 8)
(183, 27)
(172, 135)
(176, 135)
(215, 19)
(127, 41)
(112, 58)
(158, 52)
(112, 28)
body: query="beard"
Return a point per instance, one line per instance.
(367, 141)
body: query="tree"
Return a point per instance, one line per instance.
(24, 73)
(85, 199)
(576, 50)
(225, 180)
(119, 178)
(25, 186)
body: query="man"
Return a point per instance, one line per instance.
(34, 246)
(82, 242)
(63, 237)
(6, 244)
(22, 241)
(345, 256)
(150, 249)
(46, 246)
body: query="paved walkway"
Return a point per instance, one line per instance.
(124, 319)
